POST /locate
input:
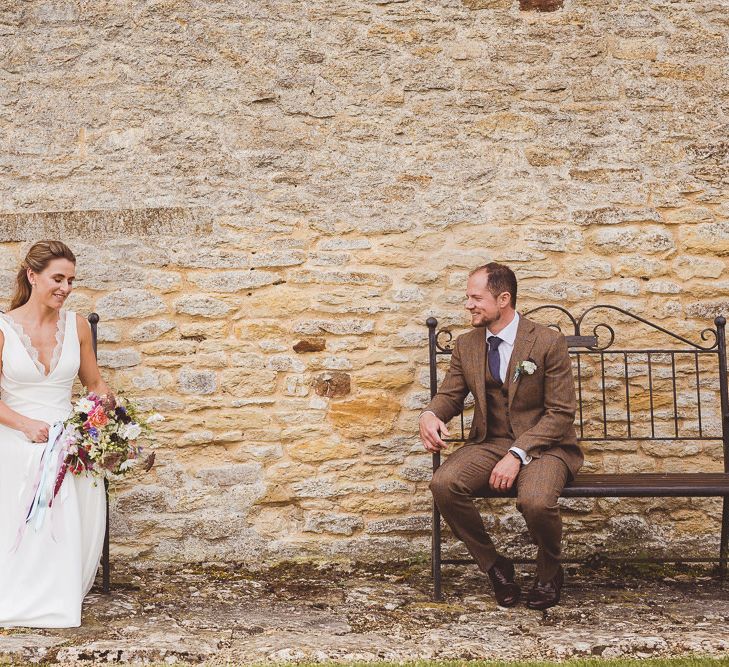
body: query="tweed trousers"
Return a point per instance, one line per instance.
(465, 474)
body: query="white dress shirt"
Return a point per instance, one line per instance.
(508, 336)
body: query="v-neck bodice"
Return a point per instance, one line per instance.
(32, 350)
(24, 385)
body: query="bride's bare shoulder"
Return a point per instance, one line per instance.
(83, 327)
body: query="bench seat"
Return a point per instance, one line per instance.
(640, 485)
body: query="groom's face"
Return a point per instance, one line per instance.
(480, 302)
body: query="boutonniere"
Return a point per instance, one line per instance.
(526, 367)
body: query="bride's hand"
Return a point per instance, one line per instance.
(35, 430)
(109, 402)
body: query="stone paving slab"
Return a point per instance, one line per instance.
(220, 613)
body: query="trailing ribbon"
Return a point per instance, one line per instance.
(49, 477)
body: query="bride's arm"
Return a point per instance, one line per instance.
(33, 429)
(89, 369)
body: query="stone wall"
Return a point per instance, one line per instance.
(268, 199)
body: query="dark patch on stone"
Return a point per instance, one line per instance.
(113, 223)
(310, 345)
(540, 5)
(332, 385)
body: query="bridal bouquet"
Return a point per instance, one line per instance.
(100, 438)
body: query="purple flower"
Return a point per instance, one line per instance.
(94, 433)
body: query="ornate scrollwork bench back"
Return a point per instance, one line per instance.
(656, 387)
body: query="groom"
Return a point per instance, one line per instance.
(522, 434)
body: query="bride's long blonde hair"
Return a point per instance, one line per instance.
(40, 255)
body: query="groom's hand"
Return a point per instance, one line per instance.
(504, 473)
(431, 430)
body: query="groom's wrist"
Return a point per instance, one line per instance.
(520, 454)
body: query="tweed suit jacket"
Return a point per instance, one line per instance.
(541, 406)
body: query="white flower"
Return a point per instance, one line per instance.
(156, 417)
(131, 431)
(126, 465)
(528, 367)
(84, 405)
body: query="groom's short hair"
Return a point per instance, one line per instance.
(500, 279)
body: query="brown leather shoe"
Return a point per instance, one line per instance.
(543, 596)
(506, 590)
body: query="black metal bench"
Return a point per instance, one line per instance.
(105, 564)
(650, 404)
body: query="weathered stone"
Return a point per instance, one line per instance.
(385, 378)
(311, 451)
(540, 5)
(711, 238)
(119, 223)
(119, 358)
(406, 524)
(335, 327)
(338, 524)
(559, 239)
(338, 278)
(332, 384)
(129, 303)
(164, 281)
(197, 382)
(687, 267)
(649, 239)
(595, 269)
(366, 415)
(235, 281)
(310, 345)
(206, 306)
(151, 330)
(611, 215)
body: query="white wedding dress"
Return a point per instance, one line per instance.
(44, 578)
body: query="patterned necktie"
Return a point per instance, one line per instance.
(495, 358)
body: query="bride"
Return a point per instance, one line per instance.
(45, 576)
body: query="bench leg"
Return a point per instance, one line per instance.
(436, 555)
(105, 553)
(724, 544)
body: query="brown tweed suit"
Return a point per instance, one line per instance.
(535, 413)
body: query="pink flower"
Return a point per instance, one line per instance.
(98, 418)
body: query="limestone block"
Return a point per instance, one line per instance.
(332, 384)
(344, 326)
(367, 415)
(649, 239)
(639, 266)
(338, 278)
(234, 281)
(129, 303)
(164, 281)
(385, 378)
(119, 358)
(594, 269)
(196, 382)
(337, 524)
(687, 267)
(108, 333)
(407, 524)
(559, 239)
(320, 450)
(243, 382)
(199, 304)
(151, 330)
(710, 238)
(310, 345)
